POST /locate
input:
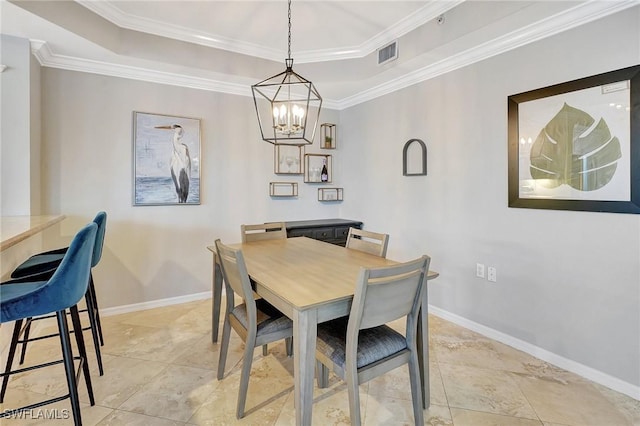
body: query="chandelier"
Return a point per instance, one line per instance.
(291, 115)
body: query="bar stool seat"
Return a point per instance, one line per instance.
(62, 291)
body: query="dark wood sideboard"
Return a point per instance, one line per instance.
(333, 231)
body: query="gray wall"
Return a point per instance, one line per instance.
(568, 282)
(157, 252)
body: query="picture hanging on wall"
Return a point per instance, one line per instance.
(576, 145)
(166, 160)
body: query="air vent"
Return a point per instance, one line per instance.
(388, 53)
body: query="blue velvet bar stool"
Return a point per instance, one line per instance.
(40, 267)
(62, 291)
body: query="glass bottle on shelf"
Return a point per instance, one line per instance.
(324, 175)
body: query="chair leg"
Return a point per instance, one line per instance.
(322, 375)
(249, 346)
(67, 357)
(94, 331)
(224, 347)
(289, 346)
(95, 308)
(265, 352)
(25, 339)
(10, 355)
(416, 388)
(351, 377)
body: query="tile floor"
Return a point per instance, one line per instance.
(160, 370)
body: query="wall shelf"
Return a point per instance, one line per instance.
(283, 189)
(330, 194)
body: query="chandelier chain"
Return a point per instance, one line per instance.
(289, 39)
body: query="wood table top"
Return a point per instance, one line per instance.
(307, 272)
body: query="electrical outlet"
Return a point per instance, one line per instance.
(492, 274)
(480, 270)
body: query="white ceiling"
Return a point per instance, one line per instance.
(228, 45)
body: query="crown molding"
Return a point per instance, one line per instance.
(109, 11)
(571, 18)
(566, 20)
(47, 58)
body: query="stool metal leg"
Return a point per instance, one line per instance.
(92, 289)
(25, 339)
(12, 351)
(67, 356)
(77, 327)
(94, 330)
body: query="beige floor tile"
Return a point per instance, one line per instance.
(550, 399)
(396, 384)
(148, 343)
(478, 418)
(330, 405)
(175, 394)
(269, 385)
(627, 406)
(126, 418)
(123, 377)
(385, 410)
(484, 390)
(160, 369)
(58, 413)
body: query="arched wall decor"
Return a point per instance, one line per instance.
(423, 153)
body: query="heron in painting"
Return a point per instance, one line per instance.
(180, 163)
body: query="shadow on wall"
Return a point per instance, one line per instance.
(144, 262)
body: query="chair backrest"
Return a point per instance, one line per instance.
(67, 285)
(101, 221)
(263, 231)
(236, 277)
(367, 241)
(388, 293)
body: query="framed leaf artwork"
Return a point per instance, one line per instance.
(576, 145)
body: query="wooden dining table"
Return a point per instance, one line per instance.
(311, 282)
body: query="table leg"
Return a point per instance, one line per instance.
(216, 283)
(423, 351)
(305, 329)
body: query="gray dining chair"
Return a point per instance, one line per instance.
(257, 322)
(367, 241)
(361, 346)
(263, 231)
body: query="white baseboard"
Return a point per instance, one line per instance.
(550, 357)
(154, 304)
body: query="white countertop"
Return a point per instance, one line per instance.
(14, 229)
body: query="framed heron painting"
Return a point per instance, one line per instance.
(576, 145)
(166, 160)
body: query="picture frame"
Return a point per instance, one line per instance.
(576, 145)
(166, 160)
(287, 159)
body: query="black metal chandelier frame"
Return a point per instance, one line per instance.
(286, 92)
